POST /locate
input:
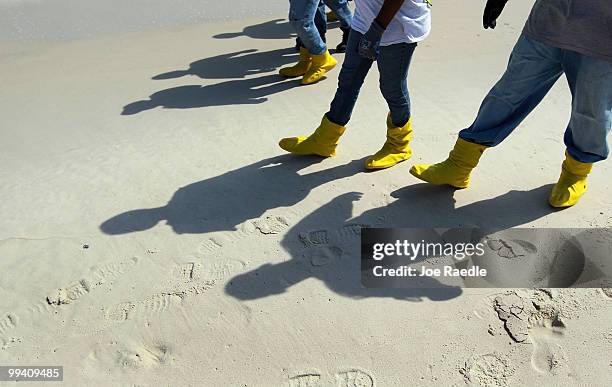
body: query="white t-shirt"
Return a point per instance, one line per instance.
(411, 23)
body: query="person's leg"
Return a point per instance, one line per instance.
(302, 19)
(342, 11)
(341, 47)
(302, 16)
(351, 78)
(317, 26)
(324, 140)
(532, 70)
(590, 81)
(320, 21)
(393, 64)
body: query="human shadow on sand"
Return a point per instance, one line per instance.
(222, 202)
(239, 90)
(324, 244)
(273, 29)
(321, 247)
(234, 65)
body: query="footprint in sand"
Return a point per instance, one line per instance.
(40, 307)
(144, 356)
(546, 334)
(268, 226)
(119, 312)
(221, 239)
(157, 303)
(271, 224)
(319, 253)
(321, 256)
(10, 342)
(349, 237)
(209, 270)
(142, 310)
(314, 238)
(608, 337)
(227, 238)
(346, 234)
(69, 294)
(210, 245)
(354, 378)
(8, 322)
(185, 271)
(305, 380)
(351, 231)
(72, 292)
(492, 369)
(219, 270)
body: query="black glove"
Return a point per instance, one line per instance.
(370, 41)
(492, 11)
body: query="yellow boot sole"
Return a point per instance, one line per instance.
(383, 162)
(439, 174)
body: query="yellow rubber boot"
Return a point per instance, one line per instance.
(320, 65)
(455, 170)
(396, 149)
(300, 68)
(572, 183)
(322, 142)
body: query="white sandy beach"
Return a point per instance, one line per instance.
(153, 232)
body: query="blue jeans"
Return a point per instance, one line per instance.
(302, 18)
(320, 21)
(393, 64)
(532, 70)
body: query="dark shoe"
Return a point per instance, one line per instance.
(341, 47)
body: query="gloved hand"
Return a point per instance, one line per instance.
(492, 11)
(370, 41)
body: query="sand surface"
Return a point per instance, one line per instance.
(153, 233)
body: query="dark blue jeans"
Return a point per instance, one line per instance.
(393, 64)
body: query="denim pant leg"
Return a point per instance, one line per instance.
(351, 78)
(342, 11)
(320, 21)
(302, 16)
(590, 81)
(393, 64)
(532, 70)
